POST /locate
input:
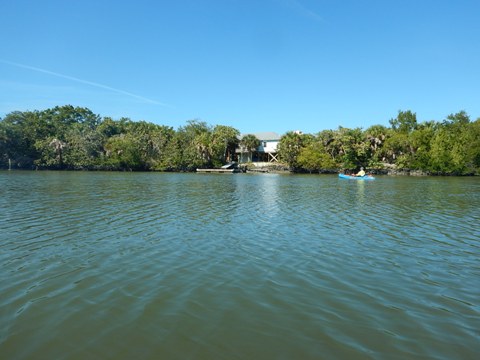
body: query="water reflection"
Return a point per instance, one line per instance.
(361, 193)
(268, 190)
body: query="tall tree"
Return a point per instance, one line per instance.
(473, 151)
(405, 122)
(224, 141)
(249, 143)
(375, 136)
(21, 131)
(290, 146)
(451, 144)
(192, 146)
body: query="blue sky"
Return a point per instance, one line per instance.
(256, 65)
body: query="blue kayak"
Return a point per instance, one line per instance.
(366, 177)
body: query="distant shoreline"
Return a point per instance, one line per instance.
(259, 170)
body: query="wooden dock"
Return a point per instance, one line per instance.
(219, 171)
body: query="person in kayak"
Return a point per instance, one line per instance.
(361, 173)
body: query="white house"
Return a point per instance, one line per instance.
(266, 152)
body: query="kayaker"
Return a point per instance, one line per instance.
(361, 173)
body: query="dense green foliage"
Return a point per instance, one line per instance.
(70, 137)
(450, 147)
(74, 138)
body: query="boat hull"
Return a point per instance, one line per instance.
(366, 177)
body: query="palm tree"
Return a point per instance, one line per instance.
(249, 143)
(375, 136)
(58, 145)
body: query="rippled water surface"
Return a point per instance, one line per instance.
(197, 266)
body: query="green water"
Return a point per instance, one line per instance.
(197, 266)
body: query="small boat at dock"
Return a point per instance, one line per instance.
(219, 171)
(229, 168)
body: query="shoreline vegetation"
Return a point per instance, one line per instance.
(74, 138)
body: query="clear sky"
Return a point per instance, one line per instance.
(256, 65)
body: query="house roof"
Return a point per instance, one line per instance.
(266, 136)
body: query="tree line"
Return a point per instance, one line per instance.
(75, 138)
(67, 137)
(449, 147)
